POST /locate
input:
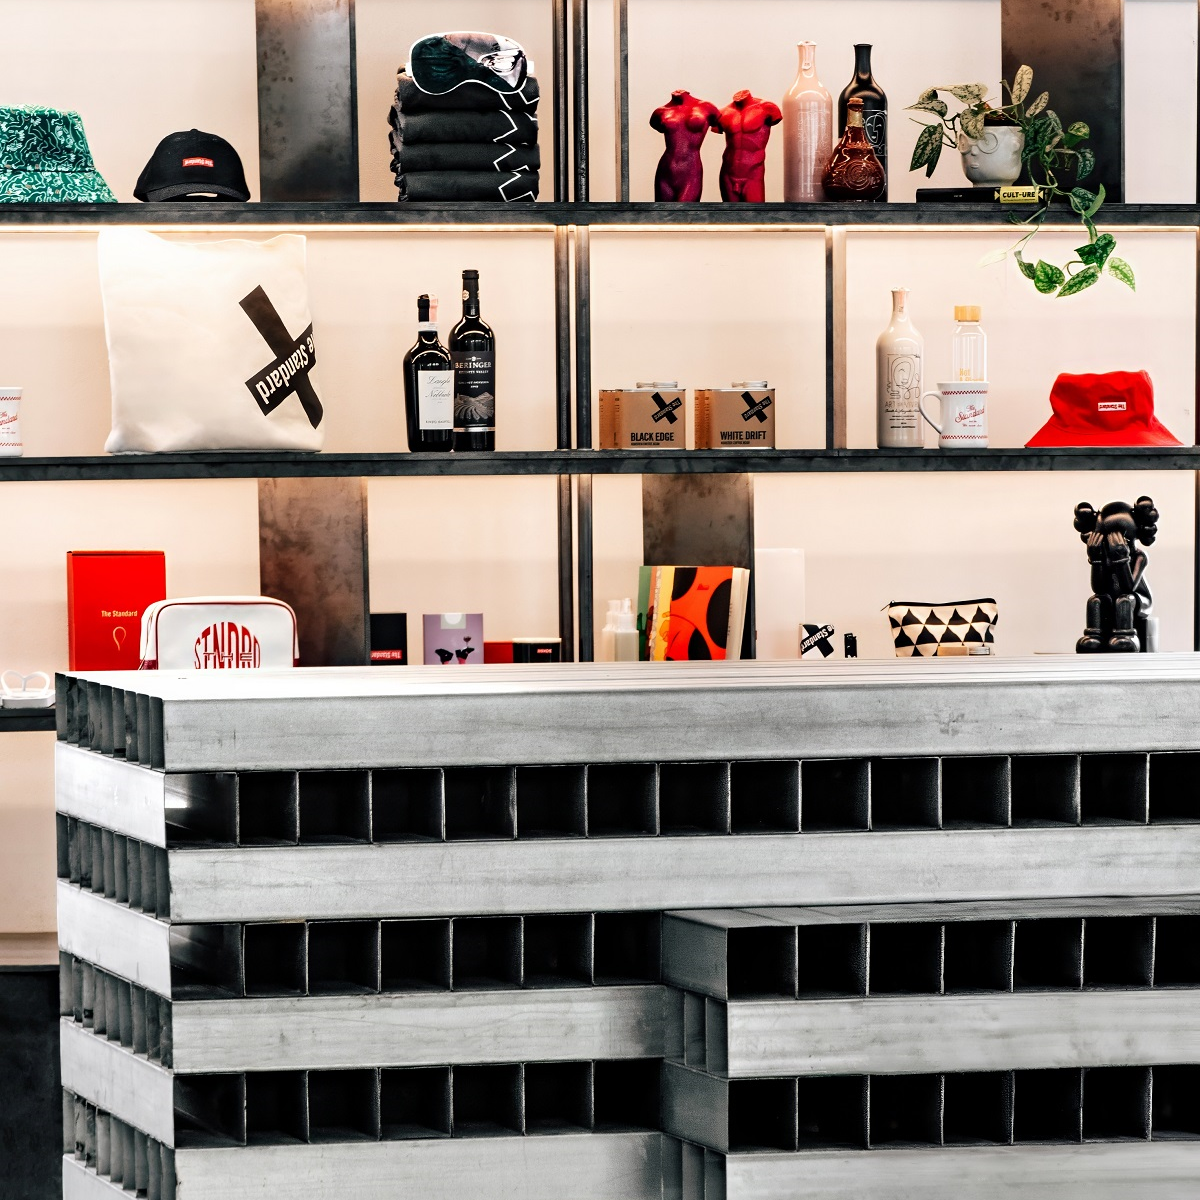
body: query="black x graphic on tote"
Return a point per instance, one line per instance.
(294, 358)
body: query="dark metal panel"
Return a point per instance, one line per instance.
(1077, 52)
(698, 520)
(562, 334)
(31, 1122)
(307, 100)
(586, 574)
(561, 114)
(583, 339)
(1196, 568)
(312, 547)
(579, 22)
(830, 347)
(566, 569)
(621, 70)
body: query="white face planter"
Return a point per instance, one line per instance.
(994, 160)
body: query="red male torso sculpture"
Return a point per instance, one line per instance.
(746, 122)
(683, 121)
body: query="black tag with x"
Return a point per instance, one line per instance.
(755, 409)
(294, 358)
(666, 411)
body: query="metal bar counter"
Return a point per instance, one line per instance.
(724, 931)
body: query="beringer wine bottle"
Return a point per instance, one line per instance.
(473, 352)
(429, 385)
(874, 102)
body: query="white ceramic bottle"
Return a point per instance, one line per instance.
(899, 359)
(807, 131)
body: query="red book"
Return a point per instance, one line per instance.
(107, 592)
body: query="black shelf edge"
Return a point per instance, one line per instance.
(546, 215)
(587, 462)
(26, 720)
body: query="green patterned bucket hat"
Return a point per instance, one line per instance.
(44, 159)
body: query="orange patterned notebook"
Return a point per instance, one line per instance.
(698, 622)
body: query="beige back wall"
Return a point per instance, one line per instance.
(708, 306)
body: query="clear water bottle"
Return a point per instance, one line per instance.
(970, 345)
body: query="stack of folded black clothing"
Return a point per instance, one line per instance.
(464, 124)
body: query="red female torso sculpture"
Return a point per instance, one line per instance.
(683, 121)
(746, 123)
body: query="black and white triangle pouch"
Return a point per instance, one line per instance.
(922, 630)
(210, 344)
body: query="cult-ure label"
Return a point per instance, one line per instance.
(435, 399)
(475, 389)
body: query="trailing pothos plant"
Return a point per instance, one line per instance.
(1050, 152)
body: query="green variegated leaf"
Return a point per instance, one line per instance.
(1082, 200)
(936, 106)
(1120, 269)
(968, 93)
(1096, 253)
(1079, 130)
(1027, 268)
(1080, 281)
(927, 94)
(1022, 82)
(1032, 110)
(928, 149)
(1087, 161)
(1047, 277)
(991, 259)
(971, 123)
(1095, 207)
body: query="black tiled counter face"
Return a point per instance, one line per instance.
(815, 965)
(30, 1116)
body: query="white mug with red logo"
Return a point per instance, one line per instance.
(11, 445)
(964, 415)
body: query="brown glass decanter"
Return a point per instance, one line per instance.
(854, 173)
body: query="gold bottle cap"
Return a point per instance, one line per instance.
(967, 312)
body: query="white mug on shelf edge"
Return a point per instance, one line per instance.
(964, 415)
(10, 423)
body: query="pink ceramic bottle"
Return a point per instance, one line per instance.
(807, 131)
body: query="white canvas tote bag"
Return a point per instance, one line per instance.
(219, 633)
(210, 344)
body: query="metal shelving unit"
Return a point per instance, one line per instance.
(346, 932)
(257, 465)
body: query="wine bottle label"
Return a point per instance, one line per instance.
(902, 392)
(475, 389)
(435, 399)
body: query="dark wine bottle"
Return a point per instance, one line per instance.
(473, 352)
(429, 385)
(875, 113)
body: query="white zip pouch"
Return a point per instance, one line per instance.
(219, 632)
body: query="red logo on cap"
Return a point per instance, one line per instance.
(198, 162)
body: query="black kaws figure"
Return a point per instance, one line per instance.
(1118, 611)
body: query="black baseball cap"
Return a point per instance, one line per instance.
(193, 164)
